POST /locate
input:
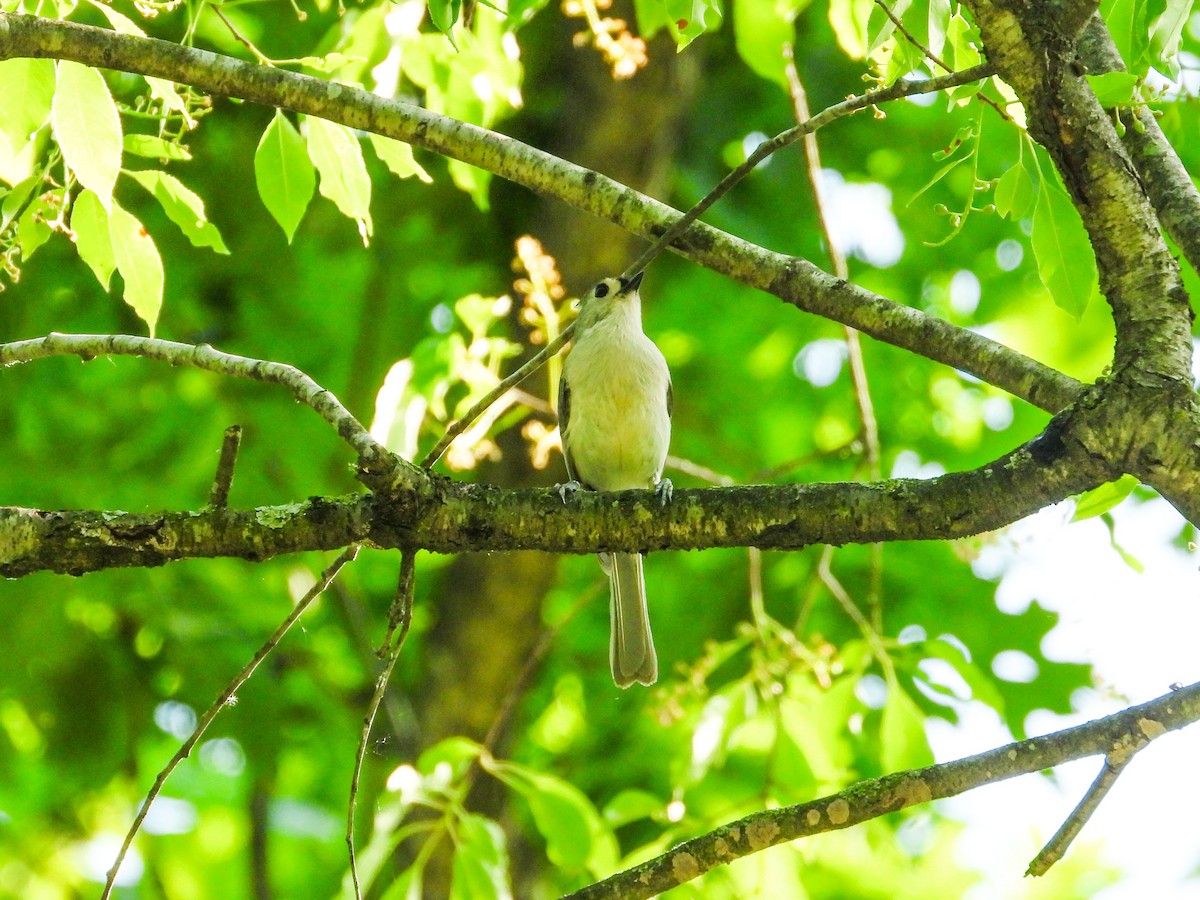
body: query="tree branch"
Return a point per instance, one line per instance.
(452, 517)
(1167, 182)
(374, 458)
(1035, 53)
(1130, 728)
(793, 280)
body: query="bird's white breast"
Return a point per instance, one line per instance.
(619, 427)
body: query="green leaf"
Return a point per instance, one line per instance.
(1126, 22)
(16, 199)
(1166, 33)
(138, 262)
(89, 224)
(458, 753)
(407, 885)
(939, 25)
(1128, 558)
(880, 26)
(32, 230)
(182, 207)
(284, 173)
(26, 94)
(444, 15)
(962, 38)
(1015, 192)
(1065, 260)
(631, 805)
(1101, 499)
(761, 29)
(153, 147)
(474, 181)
(480, 870)
(162, 90)
(688, 19)
(651, 17)
(849, 20)
(87, 127)
(330, 62)
(336, 153)
(903, 743)
(939, 175)
(791, 770)
(1113, 88)
(563, 815)
(398, 157)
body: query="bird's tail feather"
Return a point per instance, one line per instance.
(631, 654)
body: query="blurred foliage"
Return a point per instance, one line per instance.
(785, 675)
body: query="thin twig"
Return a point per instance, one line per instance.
(935, 59)
(866, 628)
(374, 459)
(237, 36)
(858, 369)
(908, 35)
(512, 380)
(400, 618)
(226, 698)
(852, 104)
(218, 498)
(1114, 765)
(849, 105)
(703, 473)
(812, 154)
(503, 720)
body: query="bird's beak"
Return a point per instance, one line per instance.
(632, 284)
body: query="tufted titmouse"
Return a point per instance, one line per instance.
(614, 414)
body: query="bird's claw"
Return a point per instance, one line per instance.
(664, 491)
(568, 487)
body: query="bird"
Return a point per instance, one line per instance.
(614, 414)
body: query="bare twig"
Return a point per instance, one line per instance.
(846, 107)
(374, 459)
(858, 369)
(852, 104)
(837, 259)
(219, 496)
(226, 698)
(399, 619)
(511, 381)
(934, 58)
(1114, 765)
(703, 473)
(908, 35)
(239, 37)
(504, 718)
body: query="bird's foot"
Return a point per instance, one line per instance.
(568, 487)
(664, 491)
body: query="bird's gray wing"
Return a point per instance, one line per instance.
(564, 414)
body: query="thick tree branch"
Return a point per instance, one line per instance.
(1167, 182)
(1138, 275)
(793, 280)
(1152, 367)
(452, 517)
(1124, 732)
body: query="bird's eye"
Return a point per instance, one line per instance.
(601, 290)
